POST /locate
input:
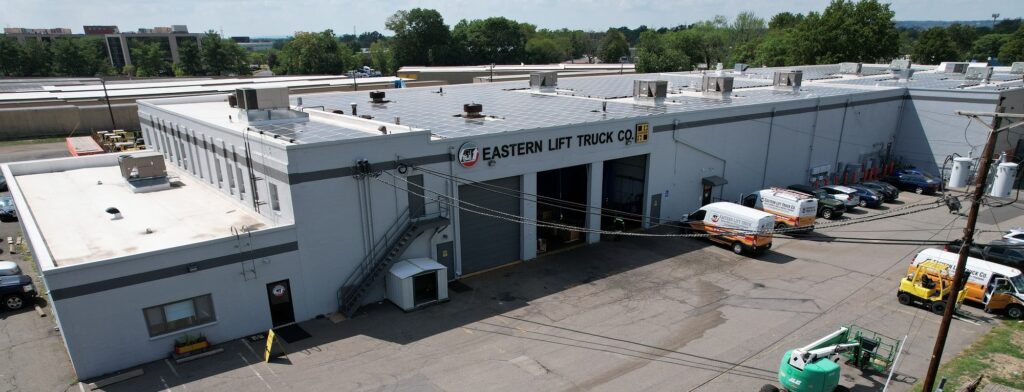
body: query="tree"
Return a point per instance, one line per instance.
(78, 57)
(654, 53)
(933, 47)
(963, 37)
(1013, 49)
(774, 49)
(315, 53)
(581, 44)
(382, 58)
(34, 58)
(987, 46)
(149, 59)
(493, 40)
(421, 37)
(9, 49)
(544, 50)
(745, 28)
(784, 20)
(862, 32)
(223, 56)
(613, 46)
(190, 60)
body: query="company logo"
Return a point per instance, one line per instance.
(469, 154)
(714, 218)
(278, 290)
(642, 130)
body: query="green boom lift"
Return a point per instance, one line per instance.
(812, 369)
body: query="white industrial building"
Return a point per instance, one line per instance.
(280, 209)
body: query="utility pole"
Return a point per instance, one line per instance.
(972, 219)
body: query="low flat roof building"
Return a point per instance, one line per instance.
(309, 199)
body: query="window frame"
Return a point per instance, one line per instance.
(173, 326)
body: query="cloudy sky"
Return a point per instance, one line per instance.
(262, 17)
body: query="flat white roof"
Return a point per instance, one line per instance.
(69, 208)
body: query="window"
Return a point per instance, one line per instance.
(231, 178)
(220, 176)
(176, 316)
(241, 184)
(275, 204)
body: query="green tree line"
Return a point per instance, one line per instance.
(1004, 41)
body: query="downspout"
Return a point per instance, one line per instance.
(768, 149)
(814, 129)
(842, 128)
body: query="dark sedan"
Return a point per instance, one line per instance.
(868, 197)
(917, 182)
(889, 192)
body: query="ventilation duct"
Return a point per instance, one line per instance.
(717, 86)
(544, 82)
(788, 80)
(850, 68)
(650, 90)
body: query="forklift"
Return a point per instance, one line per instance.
(815, 367)
(928, 283)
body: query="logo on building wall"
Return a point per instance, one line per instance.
(278, 290)
(469, 154)
(642, 130)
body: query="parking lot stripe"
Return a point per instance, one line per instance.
(254, 371)
(173, 370)
(253, 351)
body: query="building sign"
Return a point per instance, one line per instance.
(278, 290)
(642, 130)
(469, 154)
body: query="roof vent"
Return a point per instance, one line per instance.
(952, 67)
(144, 171)
(233, 100)
(377, 97)
(982, 73)
(1017, 68)
(740, 68)
(850, 68)
(472, 110)
(650, 90)
(115, 213)
(899, 64)
(544, 82)
(788, 80)
(717, 86)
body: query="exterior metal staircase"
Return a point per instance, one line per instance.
(385, 252)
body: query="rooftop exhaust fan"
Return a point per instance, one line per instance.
(377, 97)
(1017, 68)
(472, 110)
(544, 82)
(650, 90)
(717, 86)
(850, 68)
(788, 80)
(982, 73)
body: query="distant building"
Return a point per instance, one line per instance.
(257, 45)
(100, 30)
(119, 44)
(240, 39)
(21, 34)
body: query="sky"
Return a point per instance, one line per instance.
(278, 18)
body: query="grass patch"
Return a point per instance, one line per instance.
(999, 356)
(19, 142)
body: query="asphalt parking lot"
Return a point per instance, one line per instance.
(636, 314)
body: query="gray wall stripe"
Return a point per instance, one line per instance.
(164, 273)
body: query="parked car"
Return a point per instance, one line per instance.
(3, 183)
(16, 291)
(828, 206)
(868, 197)
(999, 252)
(918, 182)
(1014, 236)
(7, 211)
(8, 268)
(843, 193)
(889, 192)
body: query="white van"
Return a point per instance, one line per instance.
(734, 225)
(983, 277)
(791, 208)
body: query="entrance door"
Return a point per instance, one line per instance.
(424, 288)
(280, 296)
(446, 256)
(656, 209)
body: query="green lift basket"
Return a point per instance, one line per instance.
(875, 352)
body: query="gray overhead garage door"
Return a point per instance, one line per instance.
(488, 242)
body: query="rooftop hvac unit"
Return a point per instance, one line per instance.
(788, 80)
(144, 171)
(544, 81)
(179, 28)
(850, 68)
(983, 73)
(1017, 68)
(650, 90)
(718, 86)
(952, 67)
(416, 283)
(262, 98)
(899, 64)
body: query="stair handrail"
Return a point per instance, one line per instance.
(397, 228)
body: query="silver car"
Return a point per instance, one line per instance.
(844, 193)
